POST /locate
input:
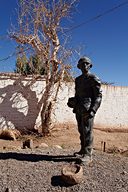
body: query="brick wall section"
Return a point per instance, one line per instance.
(20, 104)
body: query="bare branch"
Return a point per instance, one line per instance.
(39, 27)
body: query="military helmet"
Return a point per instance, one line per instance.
(84, 60)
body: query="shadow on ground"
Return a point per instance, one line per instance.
(37, 157)
(58, 181)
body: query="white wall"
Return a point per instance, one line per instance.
(20, 104)
(112, 114)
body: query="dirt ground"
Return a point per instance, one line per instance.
(68, 137)
(39, 169)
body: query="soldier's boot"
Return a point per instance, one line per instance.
(79, 153)
(85, 159)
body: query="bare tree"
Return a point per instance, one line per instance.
(39, 29)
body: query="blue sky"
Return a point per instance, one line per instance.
(104, 40)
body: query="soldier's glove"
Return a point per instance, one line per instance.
(91, 113)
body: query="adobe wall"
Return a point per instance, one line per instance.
(21, 101)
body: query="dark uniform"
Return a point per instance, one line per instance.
(85, 104)
(88, 98)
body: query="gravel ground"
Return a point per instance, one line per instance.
(39, 170)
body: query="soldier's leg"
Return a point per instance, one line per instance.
(88, 139)
(88, 134)
(80, 129)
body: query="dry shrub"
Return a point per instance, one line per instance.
(9, 134)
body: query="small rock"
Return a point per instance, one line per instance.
(72, 174)
(124, 173)
(57, 146)
(42, 145)
(8, 190)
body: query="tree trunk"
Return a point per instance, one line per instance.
(46, 119)
(47, 109)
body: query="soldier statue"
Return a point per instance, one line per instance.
(85, 103)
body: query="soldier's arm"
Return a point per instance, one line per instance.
(76, 80)
(97, 94)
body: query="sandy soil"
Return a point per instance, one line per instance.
(69, 137)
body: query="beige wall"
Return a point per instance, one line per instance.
(20, 104)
